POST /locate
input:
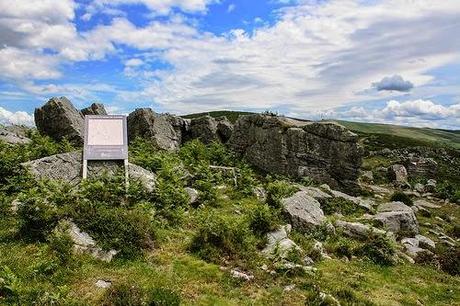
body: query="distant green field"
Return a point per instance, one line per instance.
(414, 136)
(451, 138)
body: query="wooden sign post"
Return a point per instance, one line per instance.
(106, 138)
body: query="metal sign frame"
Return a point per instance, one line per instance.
(110, 151)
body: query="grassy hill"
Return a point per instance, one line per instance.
(398, 135)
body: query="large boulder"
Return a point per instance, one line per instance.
(163, 130)
(58, 118)
(324, 151)
(397, 218)
(68, 167)
(224, 129)
(94, 109)
(303, 211)
(278, 243)
(358, 230)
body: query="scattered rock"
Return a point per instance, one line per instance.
(293, 268)
(397, 218)
(430, 186)
(367, 177)
(289, 288)
(84, 243)
(419, 188)
(260, 193)
(425, 204)
(94, 109)
(12, 138)
(315, 193)
(193, 194)
(235, 273)
(303, 211)
(425, 242)
(398, 174)
(68, 166)
(420, 167)
(279, 244)
(15, 206)
(324, 151)
(366, 204)
(103, 284)
(358, 230)
(58, 118)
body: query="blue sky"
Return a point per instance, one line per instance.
(393, 61)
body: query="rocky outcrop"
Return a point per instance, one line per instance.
(421, 167)
(224, 129)
(324, 151)
(59, 119)
(94, 109)
(68, 166)
(397, 218)
(209, 129)
(12, 138)
(162, 130)
(303, 211)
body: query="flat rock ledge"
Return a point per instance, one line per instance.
(68, 167)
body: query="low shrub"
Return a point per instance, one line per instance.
(37, 217)
(123, 294)
(341, 206)
(379, 249)
(163, 297)
(61, 243)
(126, 230)
(10, 285)
(219, 237)
(401, 197)
(449, 260)
(262, 220)
(278, 190)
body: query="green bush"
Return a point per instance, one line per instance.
(61, 243)
(379, 249)
(401, 197)
(341, 206)
(163, 297)
(126, 230)
(123, 294)
(278, 190)
(10, 285)
(262, 220)
(37, 218)
(449, 260)
(219, 237)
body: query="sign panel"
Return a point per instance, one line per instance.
(106, 138)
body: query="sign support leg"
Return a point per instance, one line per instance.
(85, 169)
(126, 173)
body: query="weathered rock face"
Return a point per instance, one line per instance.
(68, 166)
(303, 211)
(162, 130)
(10, 137)
(421, 167)
(58, 118)
(324, 151)
(209, 129)
(94, 109)
(358, 230)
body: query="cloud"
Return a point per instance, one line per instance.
(393, 83)
(231, 8)
(18, 118)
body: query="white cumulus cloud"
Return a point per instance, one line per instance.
(18, 118)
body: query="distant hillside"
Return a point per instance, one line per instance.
(391, 134)
(450, 138)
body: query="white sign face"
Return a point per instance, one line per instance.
(105, 132)
(105, 138)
